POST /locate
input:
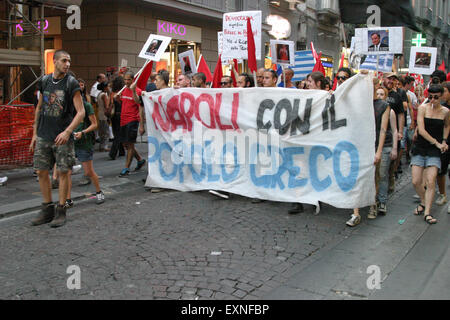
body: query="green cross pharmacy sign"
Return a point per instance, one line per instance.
(418, 40)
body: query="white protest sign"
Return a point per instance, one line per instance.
(154, 47)
(379, 40)
(282, 52)
(269, 143)
(422, 60)
(187, 62)
(235, 34)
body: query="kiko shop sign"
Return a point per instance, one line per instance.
(179, 31)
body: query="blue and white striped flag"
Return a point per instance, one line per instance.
(304, 64)
(384, 63)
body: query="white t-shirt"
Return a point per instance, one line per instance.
(94, 91)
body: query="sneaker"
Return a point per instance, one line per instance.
(416, 196)
(155, 190)
(76, 169)
(448, 209)
(100, 197)
(442, 199)
(69, 203)
(372, 212)
(219, 194)
(3, 181)
(354, 220)
(298, 208)
(382, 209)
(124, 172)
(139, 165)
(84, 181)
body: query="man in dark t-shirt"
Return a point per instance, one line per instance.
(58, 112)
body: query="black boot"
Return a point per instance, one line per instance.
(60, 217)
(298, 208)
(46, 215)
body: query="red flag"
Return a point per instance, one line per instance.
(442, 66)
(235, 62)
(143, 77)
(315, 55)
(217, 77)
(340, 66)
(251, 50)
(203, 67)
(319, 66)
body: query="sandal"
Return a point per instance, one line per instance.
(419, 212)
(429, 219)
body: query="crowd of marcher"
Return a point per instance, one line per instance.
(412, 128)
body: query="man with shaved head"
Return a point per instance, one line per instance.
(58, 113)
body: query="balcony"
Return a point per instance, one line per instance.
(426, 15)
(327, 12)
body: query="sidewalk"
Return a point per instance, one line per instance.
(22, 193)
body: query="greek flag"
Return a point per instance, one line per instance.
(304, 64)
(384, 64)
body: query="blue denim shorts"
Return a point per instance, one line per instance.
(426, 161)
(84, 155)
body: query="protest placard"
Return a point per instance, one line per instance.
(235, 34)
(422, 60)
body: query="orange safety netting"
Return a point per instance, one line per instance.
(16, 131)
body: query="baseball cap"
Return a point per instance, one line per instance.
(390, 74)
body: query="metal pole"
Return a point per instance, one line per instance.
(284, 76)
(378, 60)
(12, 100)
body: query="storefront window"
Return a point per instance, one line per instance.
(169, 60)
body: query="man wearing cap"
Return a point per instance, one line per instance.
(395, 102)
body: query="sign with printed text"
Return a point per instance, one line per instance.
(179, 31)
(235, 33)
(269, 143)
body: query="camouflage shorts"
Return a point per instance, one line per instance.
(46, 154)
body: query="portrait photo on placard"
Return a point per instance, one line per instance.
(422, 60)
(187, 62)
(282, 52)
(378, 40)
(154, 47)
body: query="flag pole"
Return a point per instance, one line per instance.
(138, 75)
(284, 76)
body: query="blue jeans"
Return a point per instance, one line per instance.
(382, 175)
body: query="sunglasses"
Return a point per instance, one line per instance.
(436, 97)
(341, 78)
(224, 83)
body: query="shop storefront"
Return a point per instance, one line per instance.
(184, 38)
(327, 63)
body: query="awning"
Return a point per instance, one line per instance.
(20, 57)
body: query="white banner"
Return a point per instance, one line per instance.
(269, 143)
(235, 34)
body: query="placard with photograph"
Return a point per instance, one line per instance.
(379, 40)
(282, 52)
(422, 60)
(154, 47)
(187, 62)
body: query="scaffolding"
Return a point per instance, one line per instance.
(32, 32)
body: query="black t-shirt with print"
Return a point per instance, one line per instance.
(57, 110)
